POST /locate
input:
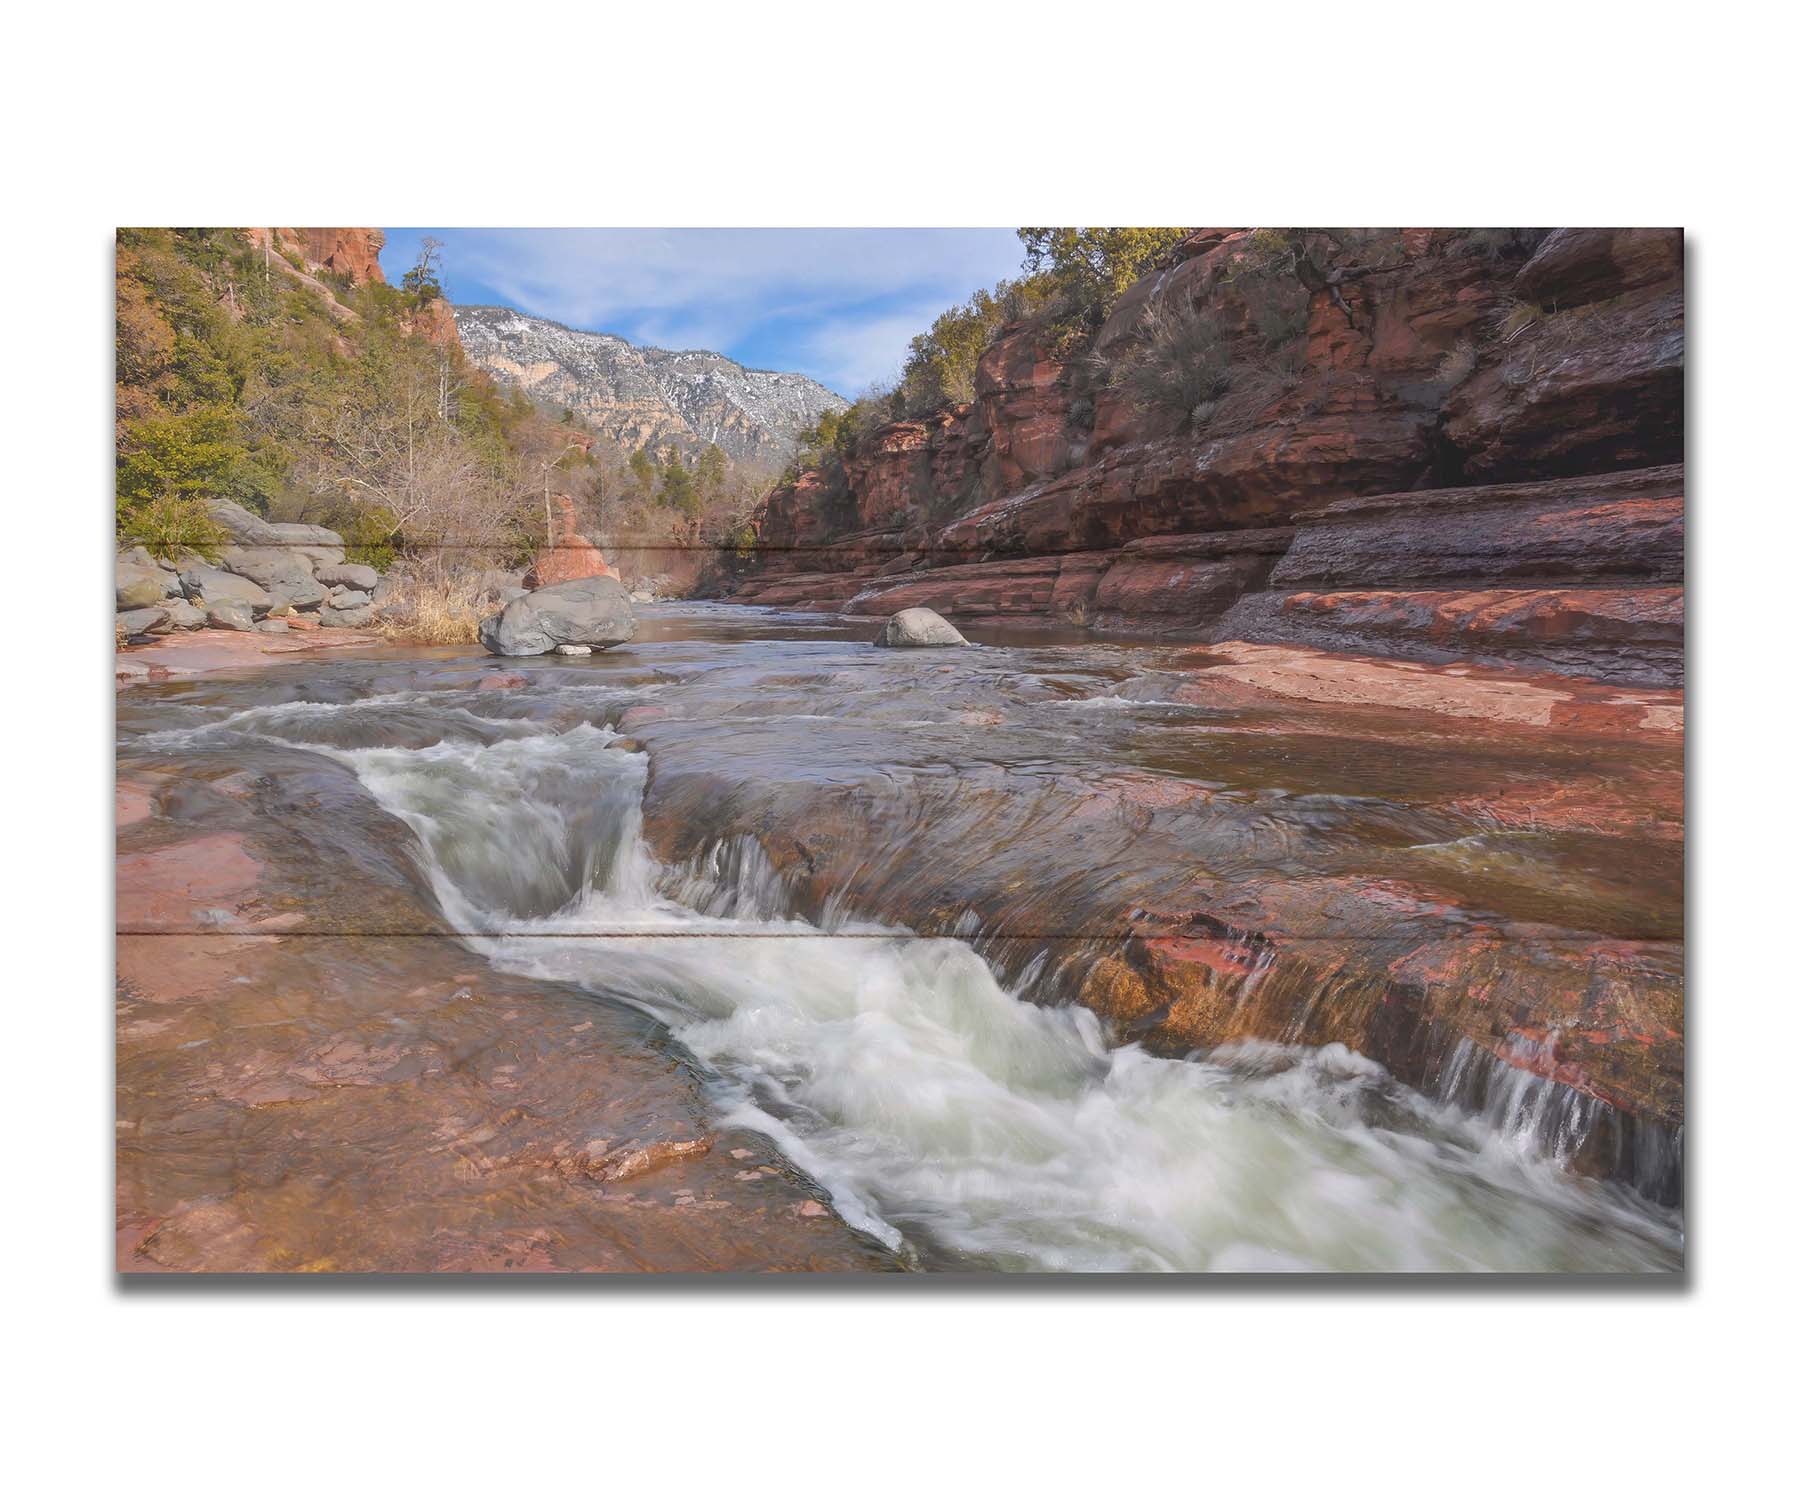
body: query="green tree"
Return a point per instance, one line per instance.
(424, 280)
(643, 472)
(1089, 268)
(941, 367)
(191, 453)
(709, 472)
(678, 489)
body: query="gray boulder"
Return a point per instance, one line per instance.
(350, 619)
(317, 544)
(342, 598)
(273, 627)
(182, 615)
(585, 612)
(349, 574)
(138, 587)
(205, 585)
(230, 617)
(919, 627)
(284, 573)
(139, 622)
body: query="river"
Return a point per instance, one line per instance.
(944, 1089)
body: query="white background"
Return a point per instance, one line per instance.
(915, 114)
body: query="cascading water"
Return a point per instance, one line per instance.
(942, 1113)
(945, 1115)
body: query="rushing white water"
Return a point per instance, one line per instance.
(945, 1115)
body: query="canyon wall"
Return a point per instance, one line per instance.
(1473, 451)
(354, 254)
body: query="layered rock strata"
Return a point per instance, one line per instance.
(1469, 453)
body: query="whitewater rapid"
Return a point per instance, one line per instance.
(945, 1116)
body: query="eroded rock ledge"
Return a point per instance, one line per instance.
(313, 1075)
(1181, 905)
(1478, 458)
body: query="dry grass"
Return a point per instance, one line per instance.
(1179, 364)
(433, 611)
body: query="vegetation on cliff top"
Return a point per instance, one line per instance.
(305, 397)
(314, 402)
(1069, 281)
(1179, 363)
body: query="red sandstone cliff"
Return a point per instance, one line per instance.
(1470, 452)
(351, 253)
(569, 555)
(355, 255)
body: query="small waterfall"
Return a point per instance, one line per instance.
(1547, 1117)
(949, 1116)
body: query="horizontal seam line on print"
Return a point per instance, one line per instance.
(1000, 936)
(663, 544)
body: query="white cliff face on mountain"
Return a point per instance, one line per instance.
(645, 396)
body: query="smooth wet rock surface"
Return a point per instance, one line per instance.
(315, 1075)
(919, 627)
(1471, 878)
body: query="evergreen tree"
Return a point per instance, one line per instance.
(643, 472)
(709, 472)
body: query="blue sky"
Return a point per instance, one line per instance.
(836, 304)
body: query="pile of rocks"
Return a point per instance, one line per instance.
(274, 576)
(647, 590)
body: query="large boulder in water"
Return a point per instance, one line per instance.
(919, 627)
(585, 612)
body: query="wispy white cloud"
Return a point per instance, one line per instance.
(858, 351)
(839, 304)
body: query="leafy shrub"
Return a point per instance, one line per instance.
(368, 535)
(1179, 365)
(195, 452)
(940, 370)
(172, 525)
(831, 439)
